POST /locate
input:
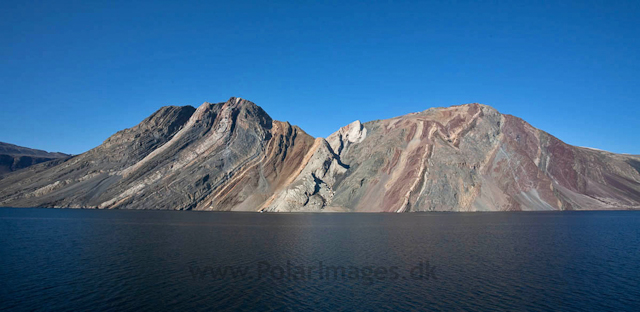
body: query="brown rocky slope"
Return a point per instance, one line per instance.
(233, 156)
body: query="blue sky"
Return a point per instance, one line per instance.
(74, 72)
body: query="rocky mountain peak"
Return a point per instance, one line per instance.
(232, 156)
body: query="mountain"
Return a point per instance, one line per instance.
(220, 156)
(233, 156)
(14, 157)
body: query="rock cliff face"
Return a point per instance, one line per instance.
(472, 158)
(13, 157)
(233, 156)
(220, 156)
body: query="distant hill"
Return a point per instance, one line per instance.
(14, 157)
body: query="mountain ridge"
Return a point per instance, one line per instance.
(14, 157)
(233, 156)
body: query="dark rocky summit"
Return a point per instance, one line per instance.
(233, 156)
(13, 157)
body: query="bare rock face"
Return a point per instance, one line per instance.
(13, 157)
(340, 140)
(222, 156)
(233, 156)
(312, 187)
(472, 158)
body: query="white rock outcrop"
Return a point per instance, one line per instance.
(354, 132)
(312, 189)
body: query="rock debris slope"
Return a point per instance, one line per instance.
(233, 156)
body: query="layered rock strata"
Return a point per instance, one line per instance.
(233, 156)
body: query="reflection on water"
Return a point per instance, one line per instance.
(132, 260)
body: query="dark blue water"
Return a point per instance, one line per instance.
(53, 259)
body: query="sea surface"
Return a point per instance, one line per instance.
(66, 259)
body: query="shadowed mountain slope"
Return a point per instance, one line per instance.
(14, 157)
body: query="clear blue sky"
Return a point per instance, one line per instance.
(74, 72)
